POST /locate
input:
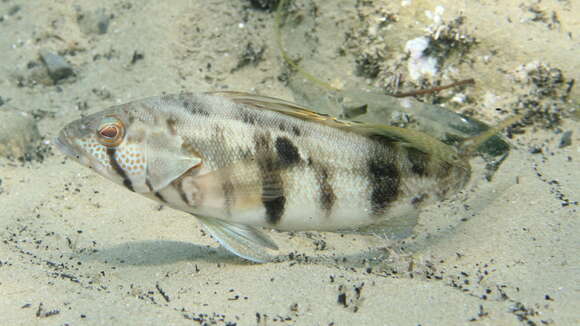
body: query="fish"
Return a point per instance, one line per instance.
(240, 162)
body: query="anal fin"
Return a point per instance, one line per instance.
(242, 240)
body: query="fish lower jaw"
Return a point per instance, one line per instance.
(63, 146)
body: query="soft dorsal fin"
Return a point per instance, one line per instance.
(470, 145)
(404, 136)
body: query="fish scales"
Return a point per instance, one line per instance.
(256, 161)
(366, 178)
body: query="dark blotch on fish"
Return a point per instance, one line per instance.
(190, 104)
(275, 209)
(248, 117)
(195, 108)
(262, 142)
(282, 127)
(287, 151)
(117, 168)
(327, 196)
(269, 169)
(296, 131)
(385, 180)
(419, 161)
(444, 170)
(178, 185)
(160, 197)
(148, 184)
(228, 189)
(447, 181)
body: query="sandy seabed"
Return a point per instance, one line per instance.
(77, 250)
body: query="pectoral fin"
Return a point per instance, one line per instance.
(166, 160)
(242, 240)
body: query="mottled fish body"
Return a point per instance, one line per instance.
(238, 161)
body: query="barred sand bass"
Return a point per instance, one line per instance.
(238, 161)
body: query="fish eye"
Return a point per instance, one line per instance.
(110, 132)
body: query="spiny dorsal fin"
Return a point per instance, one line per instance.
(281, 106)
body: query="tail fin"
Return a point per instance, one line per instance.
(470, 145)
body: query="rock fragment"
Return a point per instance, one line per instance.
(269, 5)
(18, 133)
(94, 22)
(14, 10)
(251, 55)
(566, 139)
(58, 68)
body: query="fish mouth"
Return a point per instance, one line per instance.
(64, 146)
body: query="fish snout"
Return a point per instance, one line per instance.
(62, 143)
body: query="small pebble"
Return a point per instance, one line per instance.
(136, 57)
(535, 150)
(269, 5)
(352, 109)
(350, 112)
(18, 135)
(94, 22)
(13, 10)
(58, 67)
(566, 139)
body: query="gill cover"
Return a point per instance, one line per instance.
(166, 158)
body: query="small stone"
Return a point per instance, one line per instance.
(18, 135)
(136, 57)
(535, 150)
(95, 22)
(13, 10)
(58, 67)
(351, 112)
(352, 108)
(566, 139)
(269, 5)
(252, 55)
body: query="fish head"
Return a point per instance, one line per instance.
(125, 145)
(106, 143)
